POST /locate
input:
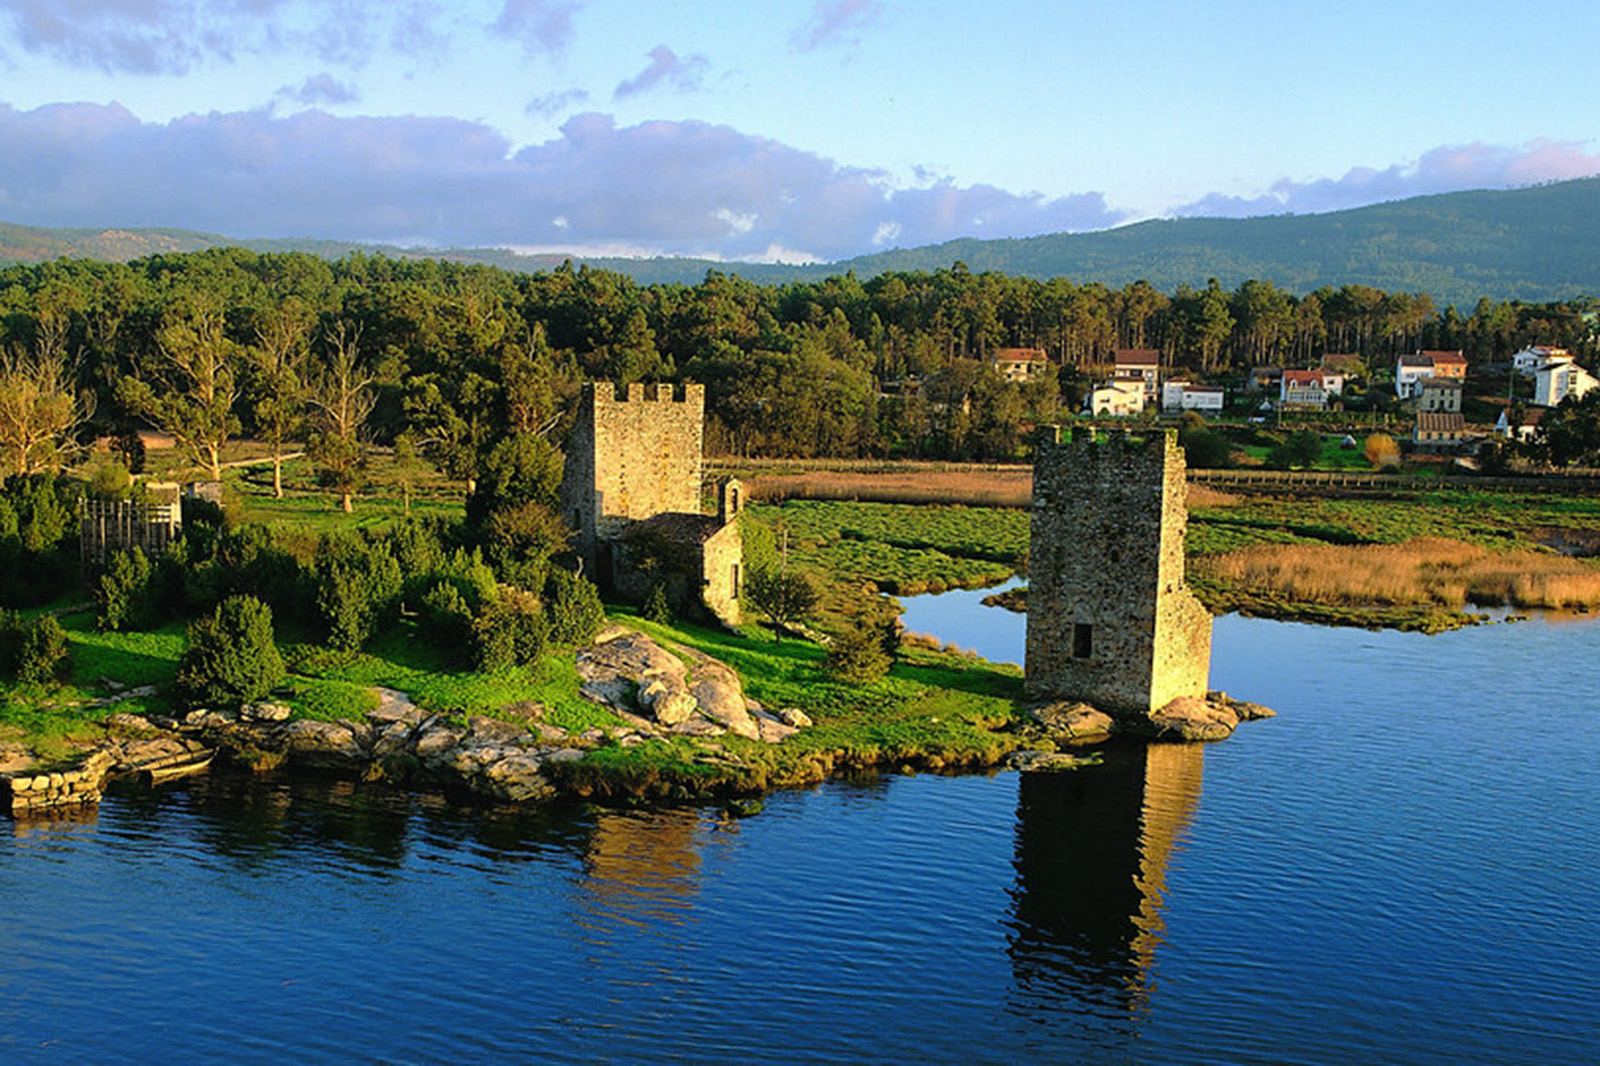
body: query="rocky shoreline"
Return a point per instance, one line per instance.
(656, 693)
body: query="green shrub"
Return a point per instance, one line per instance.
(231, 657)
(41, 653)
(857, 656)
(573, 607)
(446, 618)
(511, 631)
(357, 588)
(125, 594)
(657, 606)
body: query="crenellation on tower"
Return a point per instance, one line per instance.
(1111, 619)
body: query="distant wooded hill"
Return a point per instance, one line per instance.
(1537, 244)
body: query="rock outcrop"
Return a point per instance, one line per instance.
(680, 692)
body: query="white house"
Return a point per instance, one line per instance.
(1143, 364)
(1534, 356)
(1019, 364)
(1410, 369)
(1184, 396)
(1554, 382)
(1118, 399)
(1519, 427)
(1308, 388)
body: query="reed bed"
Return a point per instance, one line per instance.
(1428, 570)
(989, 487)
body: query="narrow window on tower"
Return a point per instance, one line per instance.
(1082, 640)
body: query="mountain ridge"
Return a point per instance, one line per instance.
(1536, 244)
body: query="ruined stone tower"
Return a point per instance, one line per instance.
(631, 493)
(633, 454)
(1111, 620)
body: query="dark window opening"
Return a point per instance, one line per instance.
(735, 582)
(1082, 640)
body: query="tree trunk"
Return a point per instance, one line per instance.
(344, 502)
(277, 476)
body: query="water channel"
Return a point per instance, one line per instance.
(1402, 867)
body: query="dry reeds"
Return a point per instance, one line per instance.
(990, 487)
(1429, 570)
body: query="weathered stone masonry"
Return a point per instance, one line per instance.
(1111, 620)
(632, 484)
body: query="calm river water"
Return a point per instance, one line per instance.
(1402, 867)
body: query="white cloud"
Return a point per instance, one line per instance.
(665, 67)
(687, 188)
(835, 21)
(540, 25)
(1449, 168)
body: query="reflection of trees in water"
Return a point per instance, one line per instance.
(1091, 858)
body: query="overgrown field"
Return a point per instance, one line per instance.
(902, 549)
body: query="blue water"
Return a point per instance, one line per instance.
(1402, 867)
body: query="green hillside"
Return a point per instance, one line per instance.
(1536, 244)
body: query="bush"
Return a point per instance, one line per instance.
(357, 585)
(657, 606)
(447, 618)
(1381, 450)
(1206, 449)
(857, 656)
(41, 655)
(231, 656)
(783, 596)
(511, 631)
(573, 607)
(125, 596)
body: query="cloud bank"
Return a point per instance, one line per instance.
(686, 188)
(1450, 168)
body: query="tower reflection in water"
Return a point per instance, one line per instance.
(1092, 852)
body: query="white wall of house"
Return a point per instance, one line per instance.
(1554, 382)
(1116, 400)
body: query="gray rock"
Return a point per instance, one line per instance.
(1189, 718)
(1041, 761)
(1072, 721)
(793, 716)
(265, 712)
(329, 744)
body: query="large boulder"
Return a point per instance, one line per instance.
(328, 745)
(1072, 721)
(1190, 718)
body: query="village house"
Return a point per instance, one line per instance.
(1439, 395)
(1555, 381)
(1309, 388)
(1438, 431)
(1413, 368)
(1138, 364)
(1185, 396)
(1019, 364)
(1119, 399)
(1519, 424)
(1531, 358)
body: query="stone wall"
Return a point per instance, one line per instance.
(26, 793)
(1111, 620)
(634, 453)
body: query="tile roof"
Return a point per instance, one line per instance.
(1138, 357)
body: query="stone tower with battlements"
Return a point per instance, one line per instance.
(1111, 619)
(631, 494)
(633, 454)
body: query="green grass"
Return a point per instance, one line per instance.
(901, 548)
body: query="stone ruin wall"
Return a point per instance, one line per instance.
(1111, 620)
(633, 454)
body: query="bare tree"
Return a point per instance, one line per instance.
(38, 408)
(341, 399)
(191, 389)
(277, 379)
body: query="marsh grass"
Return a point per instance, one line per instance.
(1427, 570)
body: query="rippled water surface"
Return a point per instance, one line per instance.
(1402, 867)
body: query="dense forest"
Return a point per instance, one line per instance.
(452, 361)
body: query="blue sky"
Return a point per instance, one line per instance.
(785, 129)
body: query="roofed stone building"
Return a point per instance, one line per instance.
(631, 492)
